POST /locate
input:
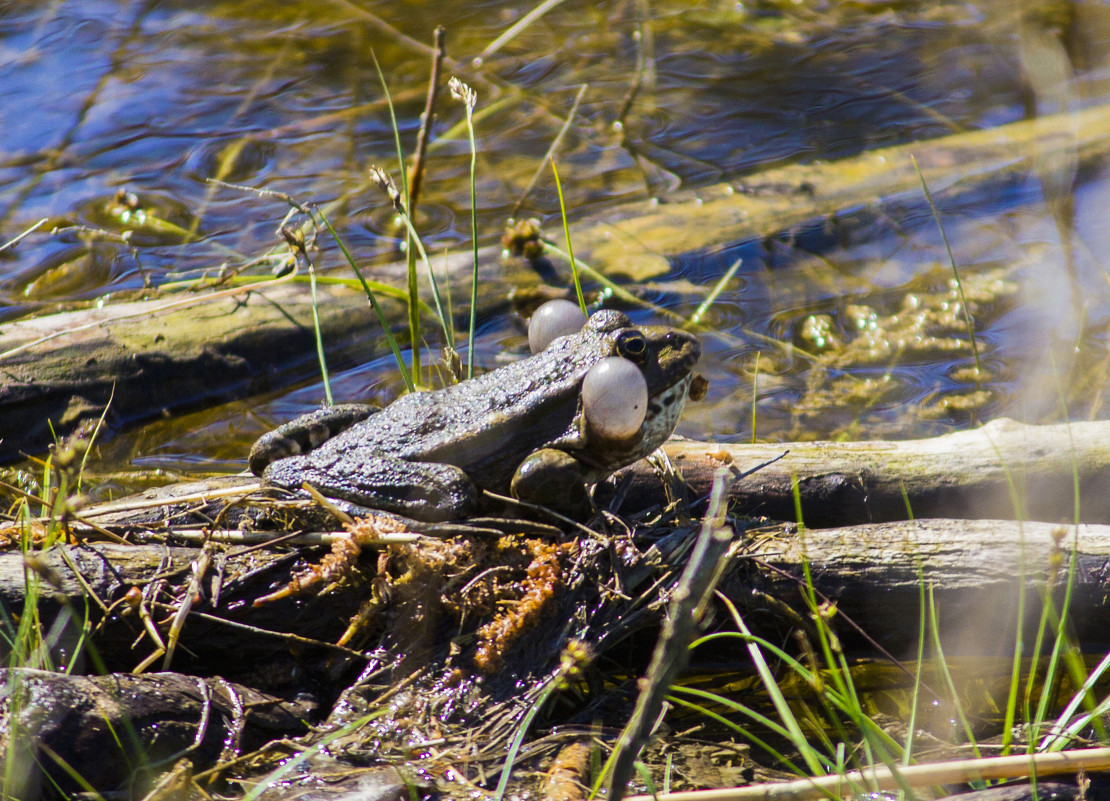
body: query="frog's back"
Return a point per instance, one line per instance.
(487, 425)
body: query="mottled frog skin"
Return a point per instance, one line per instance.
(519, 429)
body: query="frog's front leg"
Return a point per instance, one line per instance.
(303, 434)
(421, 490)
(553, 478)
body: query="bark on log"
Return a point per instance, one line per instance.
(1004, 469)
(160, 356)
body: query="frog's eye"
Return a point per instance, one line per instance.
(632, 345)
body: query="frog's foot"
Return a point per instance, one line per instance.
(302, 434)
(420, 490)
(553, 478)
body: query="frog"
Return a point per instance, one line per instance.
(518, 430)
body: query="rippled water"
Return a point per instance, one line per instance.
(153, 98)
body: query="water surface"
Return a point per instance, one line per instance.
(99, 97)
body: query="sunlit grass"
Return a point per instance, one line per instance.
(406, 374)
(402, 205)
(30, 642)
(566, 233)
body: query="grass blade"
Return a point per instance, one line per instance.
(566, 233)
(406, 375)
(956, 273)
(413, 283)
(460, 91)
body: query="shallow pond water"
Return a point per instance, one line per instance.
(101, 98)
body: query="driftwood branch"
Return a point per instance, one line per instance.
(183, 352)
(1004, 469)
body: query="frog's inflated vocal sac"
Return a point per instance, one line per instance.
(519, 429)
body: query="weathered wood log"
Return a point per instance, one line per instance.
(1004, 469)
(975, 569)
(966, 473)
(639, 239)
(169, 355)
(122, 731)
(875, 572)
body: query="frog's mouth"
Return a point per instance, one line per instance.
(670, 386)
(664, 409)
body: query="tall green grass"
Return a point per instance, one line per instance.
(828, 727)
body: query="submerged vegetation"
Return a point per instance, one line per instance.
(678, 644)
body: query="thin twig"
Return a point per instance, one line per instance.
(416, 173)
(15, 240)
(89, 591)
(955, 273)
(680, 627)
(641, 66)
(520, 25)
(296, 639)
(198, 569)
(551, 151)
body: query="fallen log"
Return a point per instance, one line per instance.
(966, 473)
(153, 357)
(975, 569)
(1004, 469)
(875, 572)
(640, 239)
(173, 354)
